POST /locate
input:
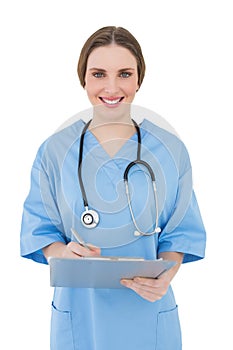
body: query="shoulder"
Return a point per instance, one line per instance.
(66, 135)
(57, 145)
(167, 138)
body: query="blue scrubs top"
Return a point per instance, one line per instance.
(103, 319)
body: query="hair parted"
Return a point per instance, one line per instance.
(106, 36)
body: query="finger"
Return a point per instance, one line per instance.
(147, 294)
(160, 285)
(145, 281)
(78, 249)
(83, 251)
(68, 253)
(95, 249)
(138, 287)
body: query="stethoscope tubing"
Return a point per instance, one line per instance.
(93, 214)
(141, 162)
(85, 202)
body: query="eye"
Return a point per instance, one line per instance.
(98, 74)
(125, 74)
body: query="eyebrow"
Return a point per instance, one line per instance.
(104, 70)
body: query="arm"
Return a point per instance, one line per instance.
(154, 289)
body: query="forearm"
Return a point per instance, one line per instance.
(174, 256)
(55, 250)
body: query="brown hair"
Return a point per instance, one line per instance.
(106, 36)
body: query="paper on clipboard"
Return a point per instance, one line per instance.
(103, 272)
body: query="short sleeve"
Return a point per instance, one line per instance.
(41, 223)
(184, 231)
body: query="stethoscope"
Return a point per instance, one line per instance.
(90, 218)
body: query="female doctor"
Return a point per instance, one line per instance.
(78, 180)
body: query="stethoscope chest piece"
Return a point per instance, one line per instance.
(90, 218)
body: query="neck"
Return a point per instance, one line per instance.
(112, 130)
(103, 116)
(113, 135)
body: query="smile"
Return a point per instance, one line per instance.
(111, 101)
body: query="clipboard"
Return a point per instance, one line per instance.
(103, 272)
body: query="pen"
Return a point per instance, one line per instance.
(79, 239)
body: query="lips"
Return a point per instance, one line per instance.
(111, 101)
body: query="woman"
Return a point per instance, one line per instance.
(66, 178)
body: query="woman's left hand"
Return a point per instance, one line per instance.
(150, 289)
(153, 289)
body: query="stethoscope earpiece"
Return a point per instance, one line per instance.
(139, 233)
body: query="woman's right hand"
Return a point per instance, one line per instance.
(71, 250)
(76, 250)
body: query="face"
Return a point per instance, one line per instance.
(111, 76)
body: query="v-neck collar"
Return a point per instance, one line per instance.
(113, 166)
(126, 154)
(123, 151)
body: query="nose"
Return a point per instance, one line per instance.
(111, 86)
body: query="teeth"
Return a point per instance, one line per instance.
(111, 102)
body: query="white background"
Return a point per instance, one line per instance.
(189, 81)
